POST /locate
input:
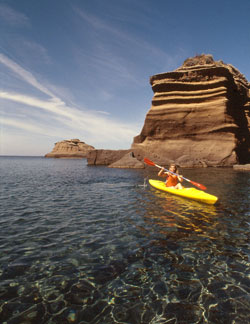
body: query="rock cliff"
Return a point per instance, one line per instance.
(199, 115)
(105, 157)
(128, 161)
(73, 148)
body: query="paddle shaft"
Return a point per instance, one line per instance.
(158, 166)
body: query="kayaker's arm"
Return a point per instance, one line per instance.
(180, 178)
(199, 185)
(161, 173)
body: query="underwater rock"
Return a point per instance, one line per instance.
(14, 270)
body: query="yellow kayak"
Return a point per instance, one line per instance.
(190, 193)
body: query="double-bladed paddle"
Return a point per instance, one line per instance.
(147, 161)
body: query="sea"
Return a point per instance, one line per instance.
(92, 244)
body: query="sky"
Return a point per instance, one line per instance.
(81, 68)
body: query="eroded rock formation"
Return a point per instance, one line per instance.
(242, 167)
(73, 148)
(199, 115)
(105, 157)
(117, 158)
(128, 161)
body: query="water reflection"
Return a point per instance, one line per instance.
(92, 246)
(198, 256)
(170, 213)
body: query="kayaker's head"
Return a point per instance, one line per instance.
(173, 168)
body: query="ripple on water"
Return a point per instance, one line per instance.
(89, 245)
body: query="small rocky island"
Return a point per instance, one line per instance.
(70, 149)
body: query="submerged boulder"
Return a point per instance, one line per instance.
(73, 148)
(199, 115)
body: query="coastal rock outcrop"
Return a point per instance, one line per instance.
(242, 167)
(199, 116)
(72, 148)
(117, 158)
(128, 161)
(105, 157)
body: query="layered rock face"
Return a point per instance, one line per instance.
(116, 158)
(73, 148)
(199, 116)
(128, 161)
(105, 157)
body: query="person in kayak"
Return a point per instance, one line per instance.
(172, 179)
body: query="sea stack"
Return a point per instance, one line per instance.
(73, 148)
(200, 115)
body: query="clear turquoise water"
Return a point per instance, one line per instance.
(83, 244)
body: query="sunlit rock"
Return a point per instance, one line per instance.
(128, 161)
(199, 115)
(105, 157)
(73, 148)
(242, 167)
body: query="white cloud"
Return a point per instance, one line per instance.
(94, 127)
(118, 55)
(122, 38)
(37, 50)
(29, 52)
(31, 128)
(70, 116)
(13, 17)
(24, 74)
(102, 112)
